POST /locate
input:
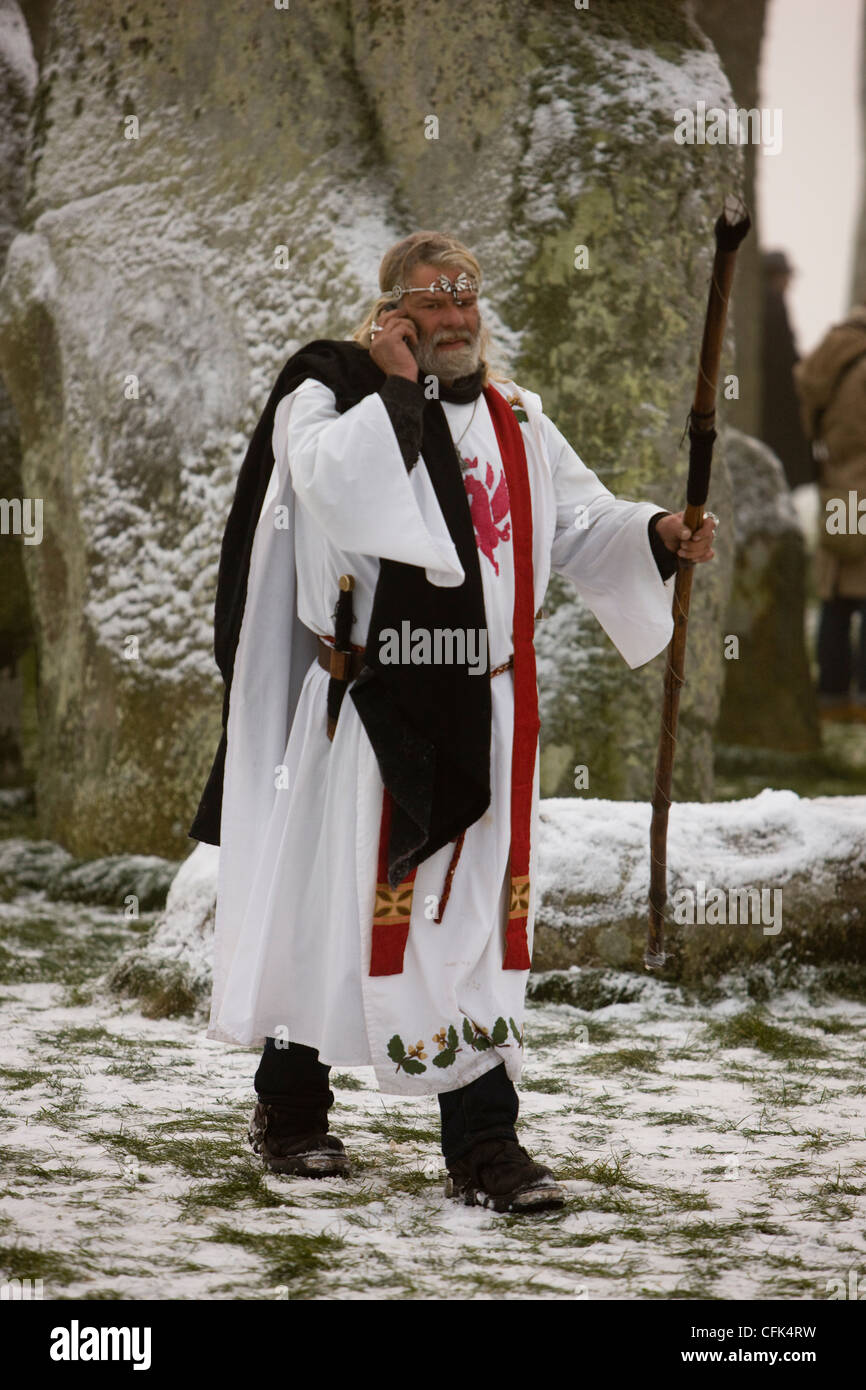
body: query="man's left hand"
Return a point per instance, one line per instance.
(679, 538)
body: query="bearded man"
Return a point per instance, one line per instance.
(395, 524)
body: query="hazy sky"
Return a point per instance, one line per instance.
(809, 194)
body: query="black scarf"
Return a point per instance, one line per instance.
(429, 725)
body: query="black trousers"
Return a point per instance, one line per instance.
(293, 1077)
(834, 647)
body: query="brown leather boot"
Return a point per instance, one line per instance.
(315, 1155)
(499, 1173)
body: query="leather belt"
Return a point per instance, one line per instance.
(346, 666)
(343, 666)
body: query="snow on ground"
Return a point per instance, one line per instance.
(709, 1150)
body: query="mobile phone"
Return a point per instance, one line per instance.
(395, 304)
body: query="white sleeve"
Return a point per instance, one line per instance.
(602, 545)
(348, 472)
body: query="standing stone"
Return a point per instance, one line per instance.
(769, 699)
(211, 189)
(858, 284)
(736, 28)
(17, 640)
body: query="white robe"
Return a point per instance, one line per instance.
(301, 815)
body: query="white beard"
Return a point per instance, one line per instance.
(449, 363)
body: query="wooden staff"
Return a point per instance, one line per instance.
(731, 227)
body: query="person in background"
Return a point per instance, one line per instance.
(831, 382)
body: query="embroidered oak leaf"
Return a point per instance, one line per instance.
(410, 1063)
(448, 1043)
(500, 1032)
(481, 1037)
(446, 1058)
(518, 1035)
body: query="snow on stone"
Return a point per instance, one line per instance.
(599, 850)
(594, 855)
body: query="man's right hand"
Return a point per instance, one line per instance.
(392, 348)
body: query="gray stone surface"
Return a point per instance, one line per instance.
(18, 77)
(858, 281)
(144, 313)
(769, 699)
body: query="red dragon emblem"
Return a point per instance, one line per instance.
(488, 509)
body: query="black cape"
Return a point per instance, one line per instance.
(429, 725)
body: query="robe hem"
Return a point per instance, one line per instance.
(412, 1086)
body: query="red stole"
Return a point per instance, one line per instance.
(393, 906)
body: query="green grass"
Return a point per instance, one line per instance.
(851, 1189)
(76, 997)
(721, 1231)
(605, 1172)
(832, 1025)
(20, 1262)
(637, 1234)
(548, 1085)
(541, 1040)
(20, 1079)
(579, 1240)
(345, 1081)
(349, 1198)
(783, 1092)
(198, 1122)
(404, 1134)
(669, 1118)
(135, 1071)
(751, 1029)
(67, 1171)
(623, 1059)
(54, 953)
(679, 1200)
(243, 1186)
(288, 1259)
(195, 1157)
(162, 991)
(477, 1282)
(65, 1039)
(415, 1183)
